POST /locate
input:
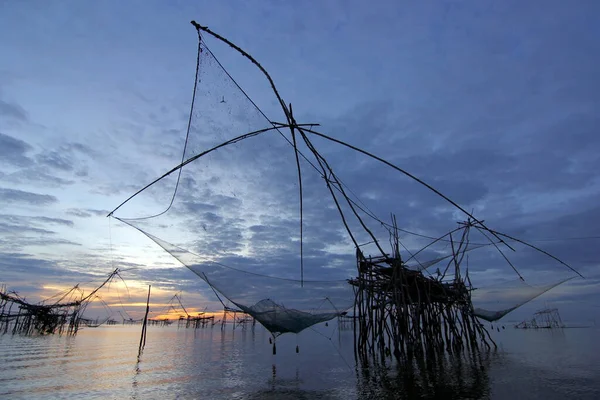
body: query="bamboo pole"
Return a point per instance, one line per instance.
(143, 337)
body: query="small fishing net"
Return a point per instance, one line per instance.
(256, 210)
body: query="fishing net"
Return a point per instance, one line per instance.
(494, 302)
(231, 214)
(259, 211)
(492, 295)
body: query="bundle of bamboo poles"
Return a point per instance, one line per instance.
(403, 313)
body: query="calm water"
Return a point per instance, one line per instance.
(238, 364)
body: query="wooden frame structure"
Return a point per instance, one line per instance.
(401, 312)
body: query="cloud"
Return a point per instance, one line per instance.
(28, 242)
(45, 167)
(87, 212)
(79, 147)
(13, 151)
(12, 110)
(13, 228)
(502, 122)
(21, 268)
(37, 175)
(55, 159)
(24, 233)
(20, 197)
(68, 157)
(53, 221)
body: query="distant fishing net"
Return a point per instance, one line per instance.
(58, 314)
(256, 210)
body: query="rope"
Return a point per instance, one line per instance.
(187, 134)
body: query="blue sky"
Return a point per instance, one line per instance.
(493, 103)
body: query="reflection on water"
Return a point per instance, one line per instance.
(446, 376)
(215, 364)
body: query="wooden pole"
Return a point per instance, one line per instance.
(143, 337)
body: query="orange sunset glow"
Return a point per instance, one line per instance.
(127, 300)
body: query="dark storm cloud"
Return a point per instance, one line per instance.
(13, 151)
(20, 196)
(12, 110)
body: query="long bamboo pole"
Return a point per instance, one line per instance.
(143, 337)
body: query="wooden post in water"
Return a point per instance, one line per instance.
(143, 337)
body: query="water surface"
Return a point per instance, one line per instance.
(238, 364)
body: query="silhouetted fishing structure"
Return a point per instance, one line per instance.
(548, 318)
(17, 316)
(199, 321)
(398, 310)
(403, 313)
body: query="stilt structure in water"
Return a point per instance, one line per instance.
(403, 313)
(200, 321)
(547, 318)
(238, 318)
(243, 321)
(64, 316)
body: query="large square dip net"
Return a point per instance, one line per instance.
(258, 208)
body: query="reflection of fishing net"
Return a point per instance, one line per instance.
(256, 210)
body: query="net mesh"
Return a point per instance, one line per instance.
(494, 302)
(280, 248)
(281, 305)
(232, 215)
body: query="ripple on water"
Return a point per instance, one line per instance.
(210, 363)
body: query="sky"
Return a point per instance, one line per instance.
(493, 103)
